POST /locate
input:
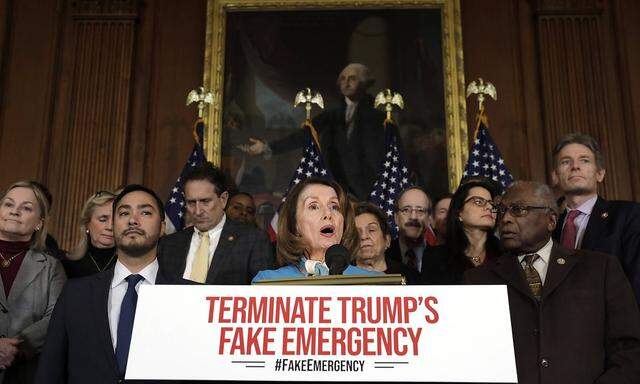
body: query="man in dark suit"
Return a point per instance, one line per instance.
(216, 250)
(351, 135)
(573, 315)
(413, 209)
(591, 222)
(90, 330)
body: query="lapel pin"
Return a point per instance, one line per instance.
(561, 261)
(231, 238)
(604, 215)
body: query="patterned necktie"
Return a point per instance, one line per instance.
(412, 260)
(532, 276)
(200, 265)
(125, 322)
(570, 231)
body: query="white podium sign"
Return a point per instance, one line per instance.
(323, 333)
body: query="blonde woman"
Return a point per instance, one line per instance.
(31, 280)
(96, 251)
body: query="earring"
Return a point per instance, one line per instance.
(87, 231)
(37, 229)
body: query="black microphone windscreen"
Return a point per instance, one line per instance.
(337, 258)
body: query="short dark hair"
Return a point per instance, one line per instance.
(209, 172)
(410, 188)
(579, 138)
(137, 187)
(365, 207)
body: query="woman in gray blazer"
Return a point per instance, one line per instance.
(31, 281)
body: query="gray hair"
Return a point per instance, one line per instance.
(363, 72)
(541, 190)
(579, 138)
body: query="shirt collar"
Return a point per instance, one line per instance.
(404, 247)
(350, 102)
(215, 229)
(587, 206)
(120, 272)
(544, 252)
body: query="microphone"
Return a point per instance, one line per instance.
(337, 258)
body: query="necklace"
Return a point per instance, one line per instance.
(475, 260)
(7, 262)
(96, 263)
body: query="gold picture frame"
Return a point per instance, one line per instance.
(454, 98)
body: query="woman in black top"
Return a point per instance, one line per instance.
(96, 251)
(375, 237)
(469, 239)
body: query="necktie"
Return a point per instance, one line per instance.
(532, 276)
(200, 265)
(570, 231)
(412, 260)
(125, 322)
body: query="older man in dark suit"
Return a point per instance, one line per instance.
(90, 330)
(591, 222)
(573, 313)
(216, 250)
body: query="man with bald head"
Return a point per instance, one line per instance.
(573, 314)
(351, 134)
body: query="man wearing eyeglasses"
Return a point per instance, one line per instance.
(591, 222)
(412, 218)
(573, 314)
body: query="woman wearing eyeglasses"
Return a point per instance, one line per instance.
(469, 240)
(95, 251)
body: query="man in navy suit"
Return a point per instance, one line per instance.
(591, 222)
(90, 329)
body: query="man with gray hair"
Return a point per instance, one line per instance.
(573, 315)
(351, 134)
(591, 222)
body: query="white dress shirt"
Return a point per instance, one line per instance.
(214, 238)
(582, 219)
(118, 289)
(542, 263)
(348, 115)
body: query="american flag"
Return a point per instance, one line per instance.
(485, 159)
(394, 178)
(311, 164)
(175, 205)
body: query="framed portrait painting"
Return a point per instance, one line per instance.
(259, 54)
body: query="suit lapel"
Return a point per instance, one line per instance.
(180, 251)
(557, 232)
(561, 262)
(509, 269)
(100, 296)
(228, 238)
(32, 265)
(596, 224)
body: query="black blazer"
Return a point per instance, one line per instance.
(78, 348)
(584, 330)
(614, 228)
(242, 252)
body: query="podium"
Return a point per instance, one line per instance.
(391, 279)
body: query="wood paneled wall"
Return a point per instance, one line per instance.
(92, 92)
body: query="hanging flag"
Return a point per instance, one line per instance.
(175, 205)
(485, 159)
(394, 177)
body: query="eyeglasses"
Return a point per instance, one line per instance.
(479, 201)
(406, 211)
(516, 209)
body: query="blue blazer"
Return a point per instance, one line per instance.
(292, 271)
